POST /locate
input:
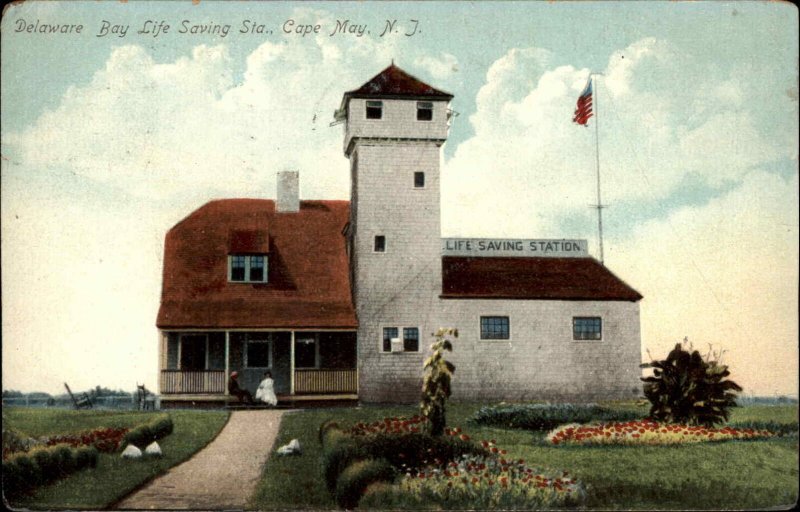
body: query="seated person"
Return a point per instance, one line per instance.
(266, 390)
(233, 388)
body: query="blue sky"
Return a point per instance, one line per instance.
(109, 141)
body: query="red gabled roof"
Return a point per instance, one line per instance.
(393, 82)
(308, 268)
(532, 278)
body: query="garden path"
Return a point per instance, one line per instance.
(221, 476)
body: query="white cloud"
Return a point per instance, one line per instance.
(440, 67)
(532, 167)
(724, 273)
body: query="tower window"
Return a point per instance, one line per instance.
(424, 111)
(380, 243)
(374, 109)
(419, 180)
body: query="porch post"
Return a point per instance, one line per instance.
(227, 358)
(291, 365)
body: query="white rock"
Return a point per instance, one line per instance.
(293, 448)
(153, 449)
(131, 452)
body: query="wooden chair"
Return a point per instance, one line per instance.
(82, 401)
(142, 398)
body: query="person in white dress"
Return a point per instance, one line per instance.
(266, 390)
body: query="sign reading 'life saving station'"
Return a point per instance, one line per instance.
(488, 247)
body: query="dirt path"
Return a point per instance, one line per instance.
(222, 475)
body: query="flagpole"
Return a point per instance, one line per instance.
(599, 205)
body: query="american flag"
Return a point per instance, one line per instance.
(583, 111)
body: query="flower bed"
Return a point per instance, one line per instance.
(647, 432)
(396, 425)
(106, 440)
(478, 482)
(450, 471)
(103, 439)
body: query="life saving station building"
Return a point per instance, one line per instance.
(339, 299)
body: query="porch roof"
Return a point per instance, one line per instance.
(308, 275)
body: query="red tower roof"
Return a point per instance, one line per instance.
(395, 83)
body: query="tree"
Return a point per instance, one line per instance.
(688, 388)
(436, 385)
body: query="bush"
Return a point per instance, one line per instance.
(86, 457)
(145, 434)
(690, 389)
(404, 451)
(326, 427)
(64, 458)
(357, 477)
(546, 416)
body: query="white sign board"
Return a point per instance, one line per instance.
(488, 247)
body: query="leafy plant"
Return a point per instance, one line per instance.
(547, 416)
(436, 386)
(357, 477)
(688, 388)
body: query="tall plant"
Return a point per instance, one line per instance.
(689, 388)
(436, 385)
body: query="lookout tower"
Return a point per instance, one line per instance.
(395, 125)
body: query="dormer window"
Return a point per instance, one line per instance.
(424, 111)
(247, 268)
(374, 109)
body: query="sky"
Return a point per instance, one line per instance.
(109, 140)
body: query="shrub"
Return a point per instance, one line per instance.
(647, 432)
(687, 388)
(15, 441)
(48, 463)
(546, 416)
(145, 434)
(337, 457)
(326, 427)
(86, 457)
(64, 458)
(436, 387)
(357, 477)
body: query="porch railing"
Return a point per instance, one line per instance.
(325, 381)
(178, 381)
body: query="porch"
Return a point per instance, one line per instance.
(195, 365)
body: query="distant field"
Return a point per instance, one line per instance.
(725, 475)
(113, 477)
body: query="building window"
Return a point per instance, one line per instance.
(374, 109)
(424, 111)
(495, 328)
(258, 353)
(587, 328)
(380, 243)
(306, 351)
(247, 268)
(419, 180)
(410, 338)
(389, 333)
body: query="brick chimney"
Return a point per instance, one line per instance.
(288, 191)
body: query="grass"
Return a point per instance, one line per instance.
(113, 478)
(724, 475)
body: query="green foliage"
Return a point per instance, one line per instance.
(547, 416)
(145, 434)
(337, 456)
(436, 387)
(687, 388)
(357, 477)
(23, 472)
(327, 426)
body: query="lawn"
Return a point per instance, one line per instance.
(113, 478)
(733, 474)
